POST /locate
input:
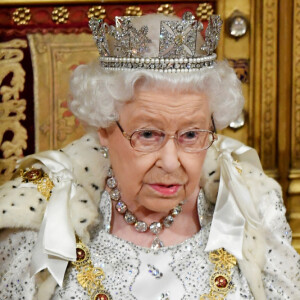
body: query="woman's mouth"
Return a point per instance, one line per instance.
(166, 190)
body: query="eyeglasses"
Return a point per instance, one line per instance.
(189, 140)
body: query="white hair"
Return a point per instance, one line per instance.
(98, 94)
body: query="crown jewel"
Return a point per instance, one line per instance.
(181, 46)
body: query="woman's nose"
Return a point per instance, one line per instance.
(168, 158)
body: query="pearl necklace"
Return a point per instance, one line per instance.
(131, 219)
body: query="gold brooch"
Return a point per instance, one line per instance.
(40, 178)
(89, 277)
(220, 280)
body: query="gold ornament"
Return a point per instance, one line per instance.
(133, 11)
(22, 16)
(166, 9)
(60, 15)
(204, 11)
(220, 281)
(97, 12)
(41, 179)
(89, 277)
(222, 259)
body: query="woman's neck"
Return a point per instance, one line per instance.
(185, 225)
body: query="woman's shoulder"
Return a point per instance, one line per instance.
(244, 159)
(23, 201)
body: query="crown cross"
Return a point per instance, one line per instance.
(178, 39)
(129, 42)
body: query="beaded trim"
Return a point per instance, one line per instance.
(167, 65)
(40, 178)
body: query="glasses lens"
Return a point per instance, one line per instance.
(147, 140)
(195, 140)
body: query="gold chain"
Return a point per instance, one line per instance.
(40, 178)
(220, 281)
(88, 276)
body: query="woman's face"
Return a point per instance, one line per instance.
(157, 181)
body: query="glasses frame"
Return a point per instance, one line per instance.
(168, 136)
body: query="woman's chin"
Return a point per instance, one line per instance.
(159, 205)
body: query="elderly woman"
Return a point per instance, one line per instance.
(151, 203)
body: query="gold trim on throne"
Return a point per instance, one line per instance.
(54, 57)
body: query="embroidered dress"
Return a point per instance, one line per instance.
(131, 272)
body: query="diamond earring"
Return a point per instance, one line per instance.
(104, 151)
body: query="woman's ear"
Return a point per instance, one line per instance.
(103, 136)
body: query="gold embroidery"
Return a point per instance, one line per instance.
(204, 11)
(166, 9)
(220, 280)
(60, 15)
(89, 277)
(133, 11)
(22, 16)
(97, 12)
(41, 179)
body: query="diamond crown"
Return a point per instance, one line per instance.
(181, 46)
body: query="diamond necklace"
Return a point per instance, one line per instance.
(131, 219)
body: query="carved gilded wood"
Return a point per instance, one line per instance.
(295, 154)
(294, 187)
(54, 57)
(12, 107)
(269, 85)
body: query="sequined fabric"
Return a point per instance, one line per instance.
(132, 272)
(176, 272)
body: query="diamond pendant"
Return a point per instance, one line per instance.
(157, 243)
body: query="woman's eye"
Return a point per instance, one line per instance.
(147, 134)
(189, 135)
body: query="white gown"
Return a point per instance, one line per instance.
(131, 272)
(179, 272)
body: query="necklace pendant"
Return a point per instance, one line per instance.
(157, 243)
